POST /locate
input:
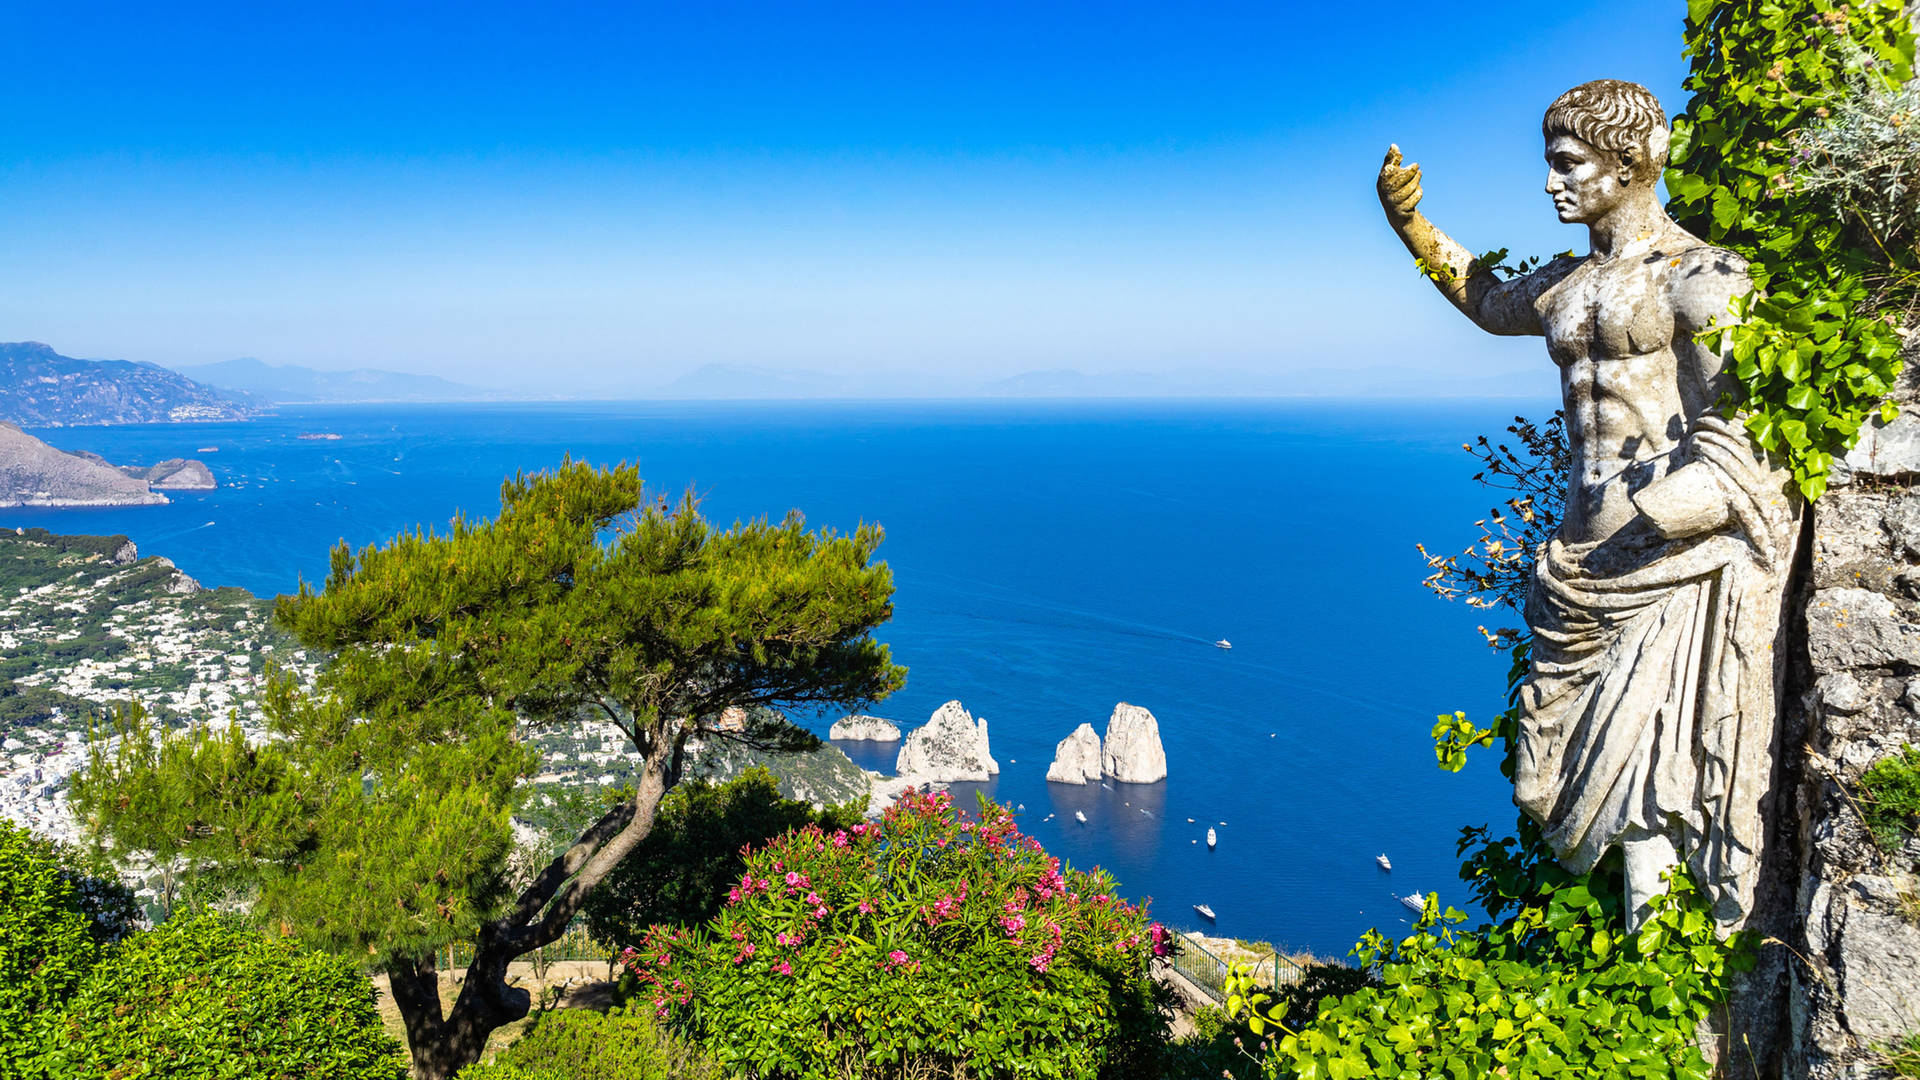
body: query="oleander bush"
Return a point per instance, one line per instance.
(923, 944)
(204, 996)
(579, 1044)
(56, 922)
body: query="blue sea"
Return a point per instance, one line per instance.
(1051, 560)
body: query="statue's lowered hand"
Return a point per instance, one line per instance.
(1399, 188)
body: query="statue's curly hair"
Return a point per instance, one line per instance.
(1620, 117)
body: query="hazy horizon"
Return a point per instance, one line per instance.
(850, 201)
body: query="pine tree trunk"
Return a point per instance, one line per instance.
(442, 1046)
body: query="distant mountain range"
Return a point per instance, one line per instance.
(41, 388)
(289, 384)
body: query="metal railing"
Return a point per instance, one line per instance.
(575, 944)
(1208, 971)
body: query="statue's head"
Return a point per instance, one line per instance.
(1606, 140)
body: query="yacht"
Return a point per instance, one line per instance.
(1415, 902)
(1212, 838)
(1079, 817)
(1205, 911)
(1223, 643)
(1385, 863)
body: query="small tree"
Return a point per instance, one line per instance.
(380, 817)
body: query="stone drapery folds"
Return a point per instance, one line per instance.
(1650, 707)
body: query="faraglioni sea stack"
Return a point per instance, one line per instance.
(951, 747)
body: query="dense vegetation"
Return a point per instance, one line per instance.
(205, 997)
(577, 1044)
(82, 997)
(377, 823)
(1795, 152)
(924, 944)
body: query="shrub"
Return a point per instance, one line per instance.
(206, 997)
(1890, 797)
(55, 922)
(679, 874)
(579, 1044)
(922, 944)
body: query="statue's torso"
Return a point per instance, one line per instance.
(1611, 327)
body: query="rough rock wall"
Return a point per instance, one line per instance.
(1854, 986)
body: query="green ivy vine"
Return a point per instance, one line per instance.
(1815, 347)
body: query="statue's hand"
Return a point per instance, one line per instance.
(1399, 189)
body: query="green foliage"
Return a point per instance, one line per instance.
(105, 546)
(1890, 798)
(55, 924)
(203, 997)
(679, 874)
(923, 944)
(1555, 990)
(1814, 348)
(578, 1044)
(1903, 1057)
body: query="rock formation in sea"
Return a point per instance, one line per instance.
(951, 747)
(1076, 760)
(1131, 752)
(174, 474)
(865, 728)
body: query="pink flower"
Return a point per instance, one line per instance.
(840, 839)
(820, 912)
(783, 968)
(1158, 935)
(866, 907)
(1041, 960)
(813, 898)
(897, 957)
(1012, 923)
(793, 879)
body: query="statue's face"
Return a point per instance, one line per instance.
(1586, 183)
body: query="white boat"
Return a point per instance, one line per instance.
(1385, 863)
(1223, 643)
(1079, 817)
(1415, 902)
(1212, 838)
(1205, 911)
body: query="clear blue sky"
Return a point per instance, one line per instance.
(596, 199)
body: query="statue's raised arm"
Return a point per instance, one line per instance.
(1495, 306)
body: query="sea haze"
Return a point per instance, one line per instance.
(1051, 560)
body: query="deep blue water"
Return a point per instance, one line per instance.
(1050, 560)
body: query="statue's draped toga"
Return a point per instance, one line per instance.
(1651, 702)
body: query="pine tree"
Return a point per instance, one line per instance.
(378, 822)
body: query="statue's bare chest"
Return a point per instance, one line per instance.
(1615, 310)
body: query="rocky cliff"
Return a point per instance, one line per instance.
(1855, 987)
(33, 473)
(41, 388)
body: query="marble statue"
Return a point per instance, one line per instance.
(1647, 719)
